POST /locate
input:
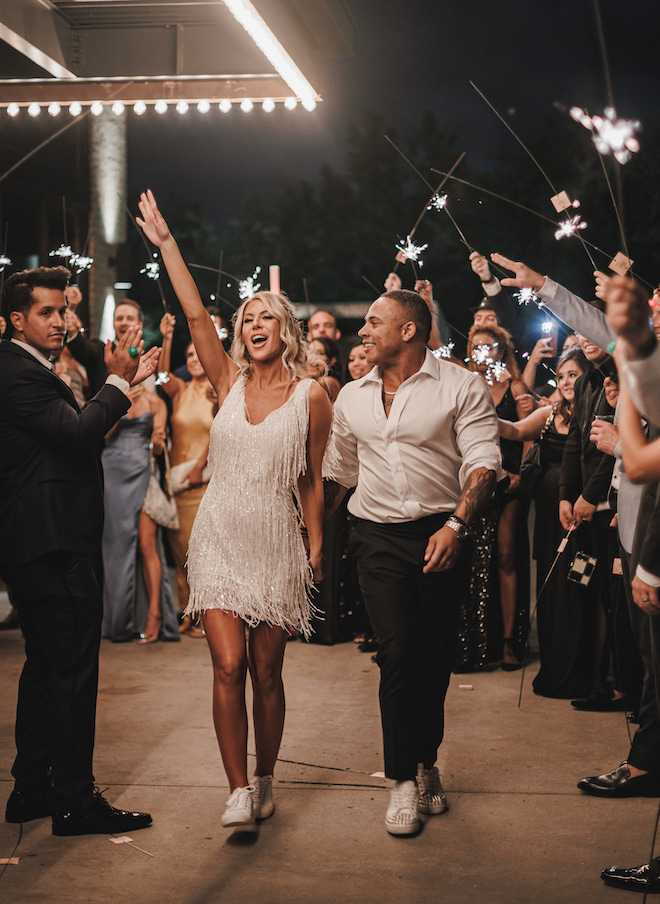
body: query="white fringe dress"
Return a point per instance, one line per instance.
(246, 553)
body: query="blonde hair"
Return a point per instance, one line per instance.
(294, 356)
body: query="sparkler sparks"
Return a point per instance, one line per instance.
(444, 351)
(247, 287)
(151, 269)
(162, 378)
(63, 251)
(570, 227)
(79, 262)
(526, 295)
(482, 354)
(437, 202)
(411, 251)
(4, 262)
(610, 135)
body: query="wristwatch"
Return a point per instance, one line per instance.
(459, 527)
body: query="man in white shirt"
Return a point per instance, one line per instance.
(418, 438)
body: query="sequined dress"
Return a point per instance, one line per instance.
(246, 553)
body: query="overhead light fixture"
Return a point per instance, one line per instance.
(54, 109)
(139, 107)
(75, 109)
(96, 108)
(182, 107)
(263, 37)
(268, 105)
(13, 110)
(224, 106)
(160, 106)
(34, 110)
(118, 108)
(291, 103)
(203, 106)
(247, 105)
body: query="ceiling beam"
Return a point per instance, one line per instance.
(33, 28)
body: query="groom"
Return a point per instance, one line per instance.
(51, 518)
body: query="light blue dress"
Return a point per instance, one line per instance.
(126, 477)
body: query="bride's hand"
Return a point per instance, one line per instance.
(317, 564)
(152, 221)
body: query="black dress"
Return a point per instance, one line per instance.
(480, 614)
(566, 612)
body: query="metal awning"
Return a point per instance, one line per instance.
(167, 50)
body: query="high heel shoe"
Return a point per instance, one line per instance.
(151, 632)
(510, 666)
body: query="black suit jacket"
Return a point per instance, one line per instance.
(51, 483)
(646, 545)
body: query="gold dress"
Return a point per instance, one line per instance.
(190, 425)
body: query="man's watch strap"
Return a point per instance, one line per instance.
(459, 527)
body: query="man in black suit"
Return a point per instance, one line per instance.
(51, 518)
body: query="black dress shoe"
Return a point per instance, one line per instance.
(620, 783)
(638, 878)
(100, 819)
(602, 702)
(22, 807)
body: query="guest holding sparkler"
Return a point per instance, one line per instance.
(499, 558)
(564, 628)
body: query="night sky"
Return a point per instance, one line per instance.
(409, 57)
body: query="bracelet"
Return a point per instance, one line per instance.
(487, 282)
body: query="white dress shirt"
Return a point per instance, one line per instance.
(442, 425)
(112, 379)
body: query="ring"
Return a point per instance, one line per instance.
(133, 352)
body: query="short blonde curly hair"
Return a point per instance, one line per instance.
(294, 356)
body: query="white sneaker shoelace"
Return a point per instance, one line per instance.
(262, 796)
(240, 809)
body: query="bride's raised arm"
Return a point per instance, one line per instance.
(219, 367)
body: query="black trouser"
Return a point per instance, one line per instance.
(59, 605)
(415, 617)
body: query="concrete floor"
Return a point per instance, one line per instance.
(517, 832)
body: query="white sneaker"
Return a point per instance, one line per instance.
(240, 809)
(262, 798)
(431, 795)
(401, 817)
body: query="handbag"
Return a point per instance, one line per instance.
(531, 470)
(159, 505)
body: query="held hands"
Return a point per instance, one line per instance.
(524, 277)
(152, 222)
(480, 266)
(442, 550)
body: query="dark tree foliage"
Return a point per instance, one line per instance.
(333, 238)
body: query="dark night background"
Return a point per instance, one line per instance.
(325, 196)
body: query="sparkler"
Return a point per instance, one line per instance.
(4, 262)
(248, 287)
(64, 251)
(80, 262)
(610, 135)
(444, 351)
(570, 227)
(410, 251)
(151, 269)
(437, 202)
(526, 295)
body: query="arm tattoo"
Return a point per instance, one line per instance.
(476, 493)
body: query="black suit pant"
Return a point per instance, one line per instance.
(60, 606)
(415, 619)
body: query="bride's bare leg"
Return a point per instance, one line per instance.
(226, 637)
(266, 654)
